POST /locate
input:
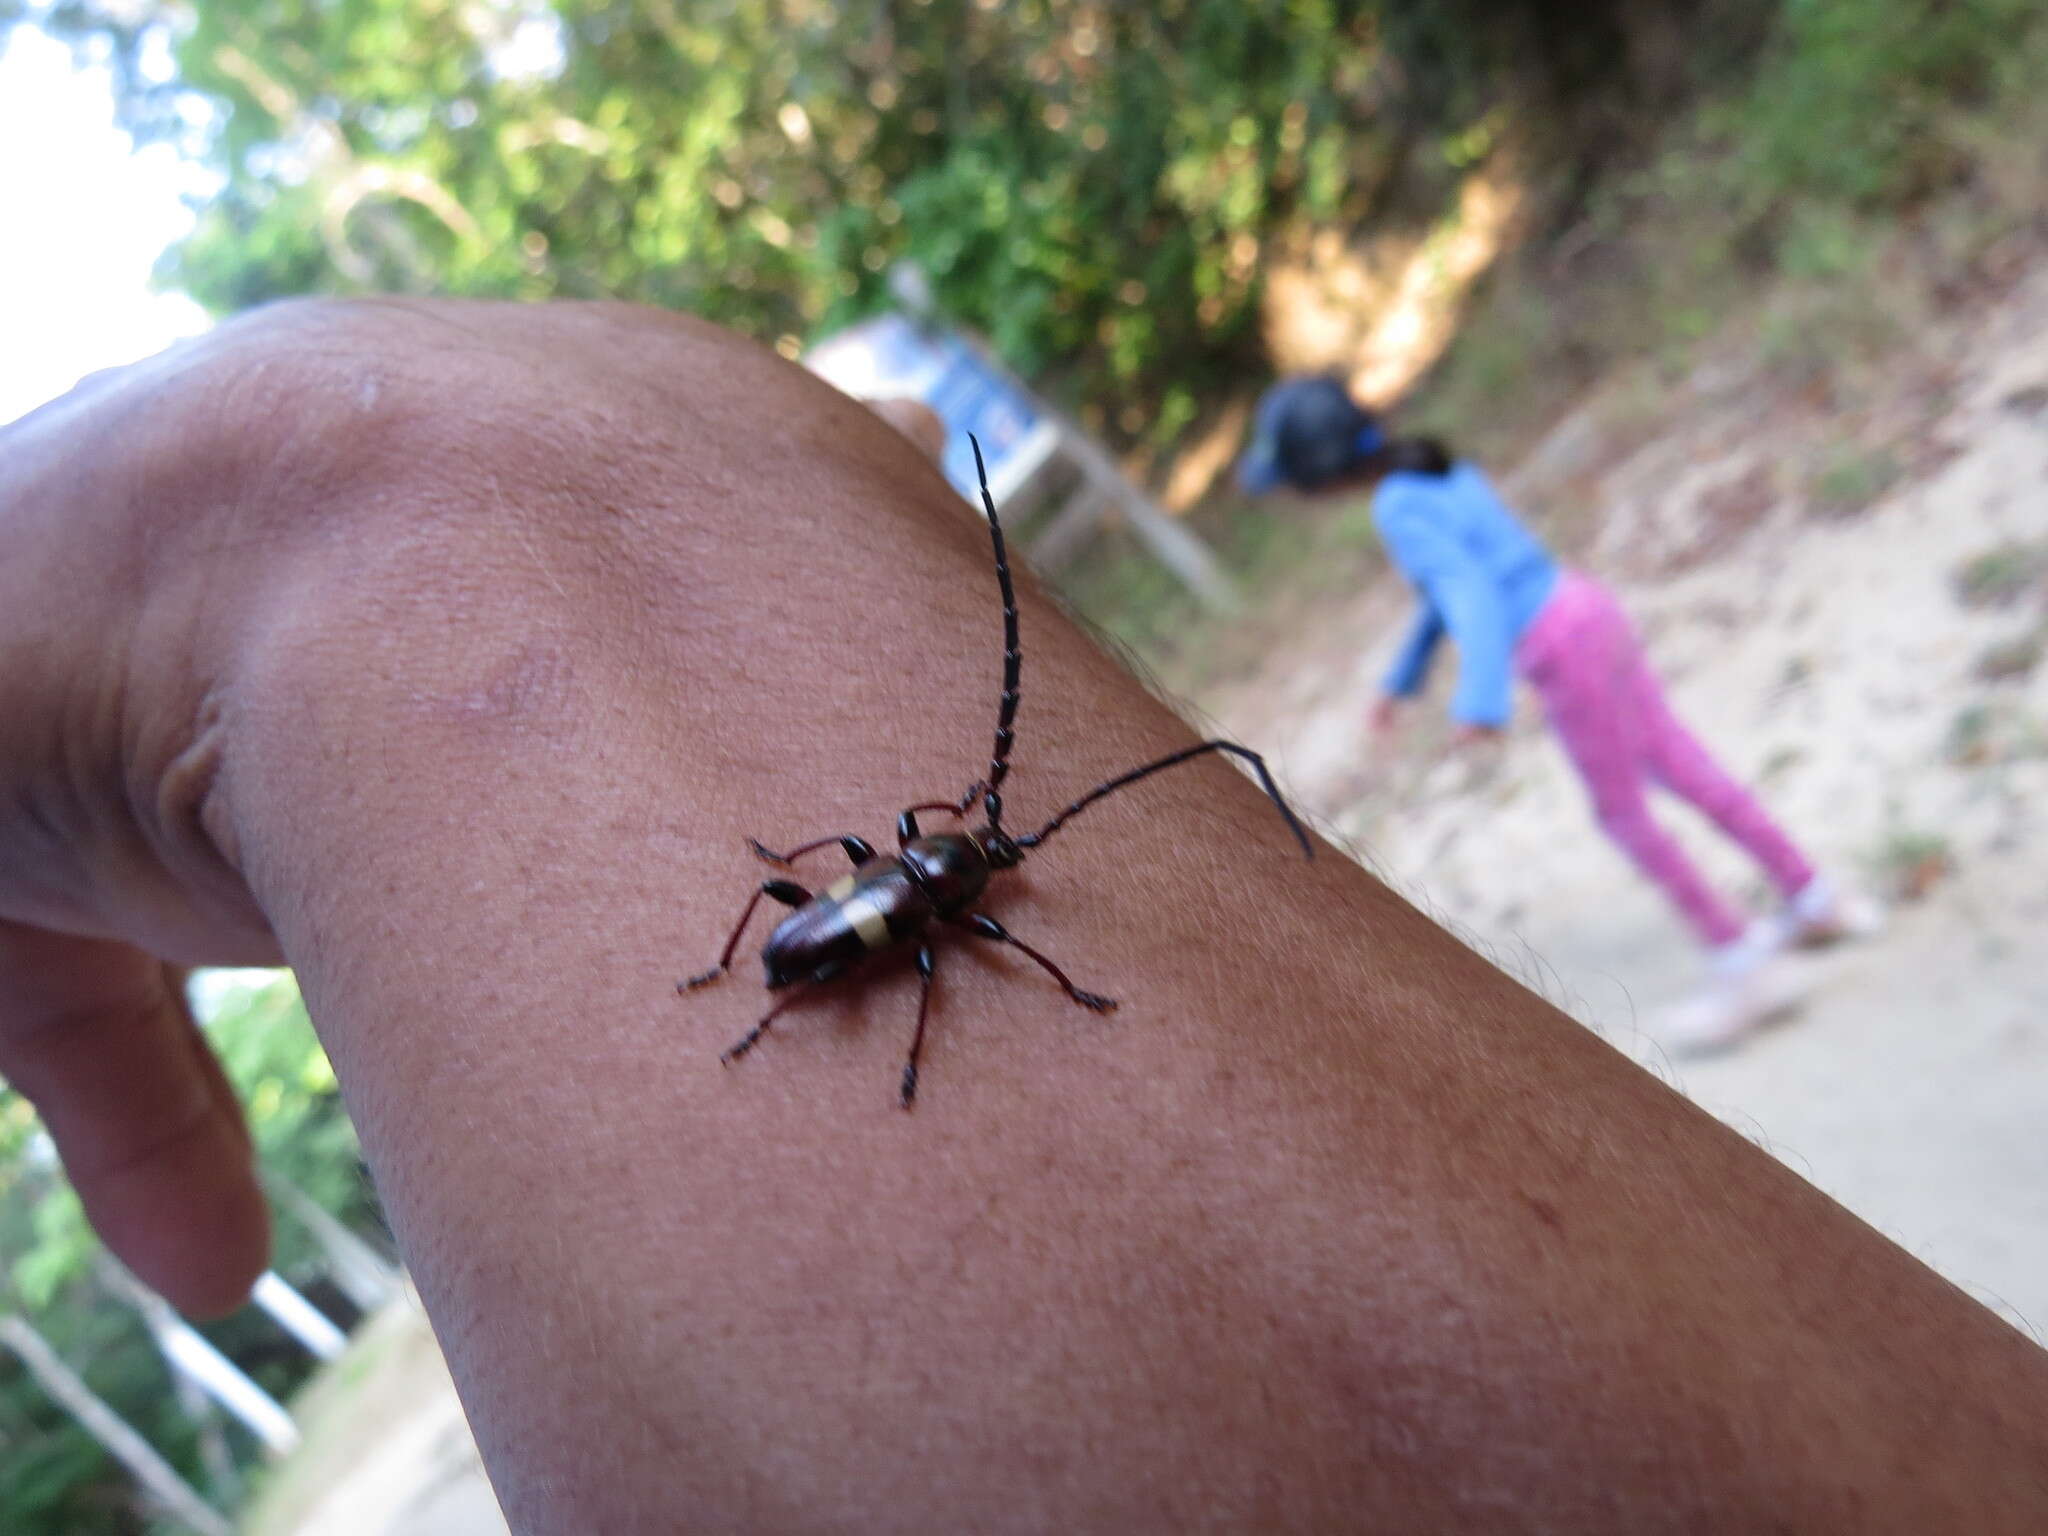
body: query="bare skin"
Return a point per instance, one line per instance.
(450, 653)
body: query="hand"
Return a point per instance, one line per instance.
(1385, 715)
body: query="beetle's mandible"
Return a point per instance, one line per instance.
(890, 901)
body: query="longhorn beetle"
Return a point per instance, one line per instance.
(890, 900)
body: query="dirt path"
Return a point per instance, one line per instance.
(1842, 658)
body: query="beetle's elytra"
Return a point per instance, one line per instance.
(890, 901)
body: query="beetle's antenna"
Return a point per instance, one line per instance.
(1013, 656)
(1033, 839)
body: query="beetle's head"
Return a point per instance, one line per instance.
(998, 847)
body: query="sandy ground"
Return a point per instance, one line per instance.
(1829, 658)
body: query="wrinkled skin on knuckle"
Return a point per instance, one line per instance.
(150, 524)
(470, 500)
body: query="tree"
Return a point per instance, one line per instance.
(1089, 184)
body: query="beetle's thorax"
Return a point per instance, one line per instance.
(951, 868)
(997, 847)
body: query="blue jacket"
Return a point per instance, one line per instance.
(1478, 573)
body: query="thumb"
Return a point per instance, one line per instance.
(98, 1036)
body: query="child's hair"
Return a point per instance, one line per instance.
(1410, 456)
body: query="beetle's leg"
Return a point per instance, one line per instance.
(746, 1043)
(981, 925)
(857, 849)
(950, 807)
(788, 892)
(924, 1003)
(958, 807)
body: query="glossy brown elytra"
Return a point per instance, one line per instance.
(891, 901)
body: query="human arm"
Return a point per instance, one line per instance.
(464, 645)
(1409, 669)
(915, 420)
(1458, 595)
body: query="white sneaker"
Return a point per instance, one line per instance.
(1821, 915)
(1737, 958)
(1751, 986)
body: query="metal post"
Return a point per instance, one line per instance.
(189, 1354)
(1169, 539)
(223, 1381)
(298, 1316)
(1177, 549)
(361, 1272)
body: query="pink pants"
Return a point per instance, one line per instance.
(1581, 653)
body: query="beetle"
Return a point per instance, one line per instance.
(890, 901)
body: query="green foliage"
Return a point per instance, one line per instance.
(1089, 183)
(1850, 477)
(1787, 184)
(1851, 100)
(60, 1248)
(54, 1476)
(293, 1105)
(2003, 574)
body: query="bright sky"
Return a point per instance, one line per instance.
(83, 216)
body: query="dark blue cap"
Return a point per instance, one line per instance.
(1308, 432)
